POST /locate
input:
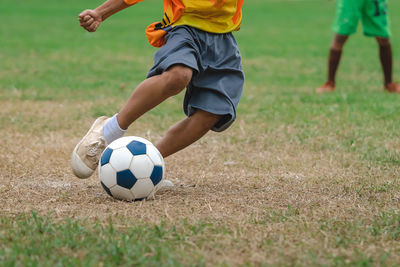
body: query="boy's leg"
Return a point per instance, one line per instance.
(187, 132)
(152, 92)
(335, 54)
(146, 96)
(386, 59)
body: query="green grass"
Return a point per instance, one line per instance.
(39, 241)
(46, 56)
(36, 240)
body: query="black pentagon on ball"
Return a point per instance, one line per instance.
(105, 157)
(156, 175)
(137, 148)
(126, 179)
(106, 189)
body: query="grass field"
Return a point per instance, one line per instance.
(299, 180)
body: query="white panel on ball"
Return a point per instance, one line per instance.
(121, 159)
(122, 193)
(141, 166)
(108, 174)
(142, 188)
(155, 155)
(121, 142)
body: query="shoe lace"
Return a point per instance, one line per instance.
(95, 148)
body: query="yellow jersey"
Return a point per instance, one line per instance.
(216, 16)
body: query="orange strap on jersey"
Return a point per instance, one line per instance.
(216, 16)
(155, 34)
(132, 2)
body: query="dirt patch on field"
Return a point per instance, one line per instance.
(260, 186)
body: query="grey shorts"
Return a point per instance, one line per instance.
(218, 78)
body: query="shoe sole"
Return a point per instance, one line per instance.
(79, 168)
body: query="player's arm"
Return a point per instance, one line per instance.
(90, 19)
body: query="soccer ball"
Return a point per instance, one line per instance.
(130, 168)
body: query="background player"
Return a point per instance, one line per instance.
(375, 21)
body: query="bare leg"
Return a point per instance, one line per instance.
(152, 92)
(155, 90)
(386, 58)
(147, 95)
(335, 54)
(186, 132)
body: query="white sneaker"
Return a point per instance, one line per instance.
(86, 155)
(163, 185)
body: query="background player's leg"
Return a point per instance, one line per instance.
(386, 58)
(335, 54)
(187, 132)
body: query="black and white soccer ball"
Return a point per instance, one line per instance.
(131, 168)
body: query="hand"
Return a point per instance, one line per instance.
(90, 20)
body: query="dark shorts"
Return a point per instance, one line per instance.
(218, 78)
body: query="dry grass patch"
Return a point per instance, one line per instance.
(279, 201)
